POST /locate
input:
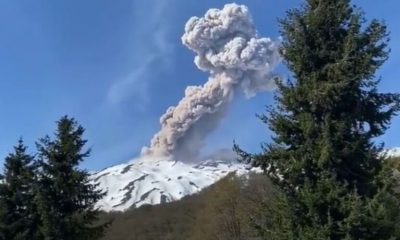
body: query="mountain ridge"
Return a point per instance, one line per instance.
(156, 181)
(160, 180)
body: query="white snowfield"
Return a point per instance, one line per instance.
(393, 152)
(157, 181)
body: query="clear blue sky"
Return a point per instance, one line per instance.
(117, 65)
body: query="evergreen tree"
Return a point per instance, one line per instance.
(18, 217)
(66, 198)
(332, 180)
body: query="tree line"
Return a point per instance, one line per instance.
(46, 195)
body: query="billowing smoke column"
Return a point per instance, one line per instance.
(227, 46)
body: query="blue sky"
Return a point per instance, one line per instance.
(117, 65)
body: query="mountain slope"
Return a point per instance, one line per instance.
(158, 181)
(155, 181)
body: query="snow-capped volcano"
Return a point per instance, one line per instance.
(157, 181)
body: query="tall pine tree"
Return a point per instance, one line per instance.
(66, 198)
(332, 180)
(18, 216)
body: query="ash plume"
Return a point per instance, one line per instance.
(227, 46)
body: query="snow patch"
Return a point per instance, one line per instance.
(154, 181)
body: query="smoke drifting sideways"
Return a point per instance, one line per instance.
(227, 46)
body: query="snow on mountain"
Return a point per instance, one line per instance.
(145, 181)
(155, 181)
(393, 152)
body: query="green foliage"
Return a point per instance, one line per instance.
(65, 196)
(18, 217)
(330, 178)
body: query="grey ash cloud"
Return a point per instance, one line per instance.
(228, 47)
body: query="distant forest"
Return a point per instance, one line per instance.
(226, 210)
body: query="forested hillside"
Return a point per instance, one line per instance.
(226, 210)
(229, 209)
